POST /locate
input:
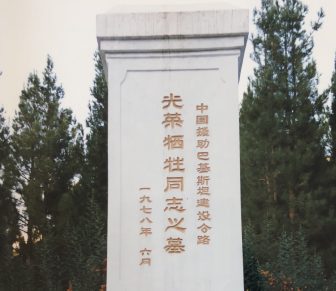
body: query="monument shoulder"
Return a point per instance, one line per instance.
(185, 24)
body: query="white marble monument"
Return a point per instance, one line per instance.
(174, 181)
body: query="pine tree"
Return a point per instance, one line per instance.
(253, 280)
(96, 171)
(46, 155)
(8, 213)
(87, 248)
(295, 267)
(332, 118)
(86, 229)
(282, 120)
(324, 237)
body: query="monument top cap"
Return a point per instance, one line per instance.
(181, 7)
(172, 21)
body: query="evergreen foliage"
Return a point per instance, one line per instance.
(283, 126)
(325, 238)
(253, 281)
(46, 155)
(87, 249)
(87, 232)
(96, 170)
(8, 212)
(288, 182)
(332, 118)
(295, 267)
(53, 195)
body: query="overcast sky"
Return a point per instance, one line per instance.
(65, 29)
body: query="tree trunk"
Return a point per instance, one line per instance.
(291, 205)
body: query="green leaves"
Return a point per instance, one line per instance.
(8, 212)
(295, 266)
(46, 154)
(332, 119)
(87, 248)
(284, 138)
(282, 124)
(96, 155)
(253, 281)
(53, 193)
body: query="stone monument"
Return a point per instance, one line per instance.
(174, 221)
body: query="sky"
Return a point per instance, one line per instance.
(66, 30)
